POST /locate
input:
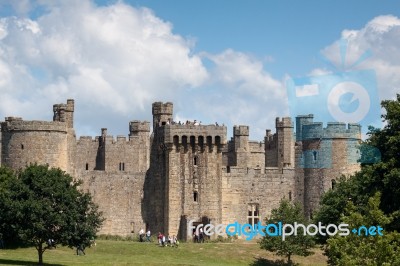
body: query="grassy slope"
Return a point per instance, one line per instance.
(109, 252)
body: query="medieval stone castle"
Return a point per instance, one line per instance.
(160, 179)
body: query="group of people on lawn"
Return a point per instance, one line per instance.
(198, 236)
(163, 241)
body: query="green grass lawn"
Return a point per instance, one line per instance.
(108, 252)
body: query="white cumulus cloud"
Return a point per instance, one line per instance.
(381, 38)
(114, 60)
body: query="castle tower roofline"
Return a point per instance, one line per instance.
(284, 122)
(300, 121)
(13, 118)
(17, 124)
(139, 126)
(159, 108)
(176, 132)
(162, 113)
(64, 112)
(305, 116)
(241, 130)
(331, 131)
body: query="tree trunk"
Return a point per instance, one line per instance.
(289, 261)
(40, 253)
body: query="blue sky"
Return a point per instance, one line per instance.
(225, 61)
(290, 32)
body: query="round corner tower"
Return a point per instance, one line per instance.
(42, 142)
(327, 154)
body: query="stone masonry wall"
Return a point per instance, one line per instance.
(87, 150)
(25, 142)
(193, 185)
(244, 187)
(119, 195)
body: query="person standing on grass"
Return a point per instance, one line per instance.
(174, 241)
(141, 235)
(201, 236)
(148, 234)
(163, 240)
(159, 238)
(80, 249)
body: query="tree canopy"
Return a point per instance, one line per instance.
(45, 203)
(362, 249)
(382, 176)
(300, 244)
(369, 197)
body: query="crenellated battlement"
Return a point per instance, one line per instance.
(64, 112)
(160, 108)
(136, 127)
(87, 139)
(334, 130)
(162, 113)
(13, 118)
(283, 122)
(198, 133)
(241, 130)
(306, 128)
(17, 124)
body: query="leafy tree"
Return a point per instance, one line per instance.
(7, 177)
(299, 244)
(382, 176)
(46, 204)
(360, 249)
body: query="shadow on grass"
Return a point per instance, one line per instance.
(267, 262)
(23, 262)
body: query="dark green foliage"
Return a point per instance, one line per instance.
(46, 204)
(288, 213)
(365, 250)
(382, 176)
(7, 232)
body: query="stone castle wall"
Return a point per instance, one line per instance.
(25, 142)
(187, 172)
(119, 195)
(242, 188)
